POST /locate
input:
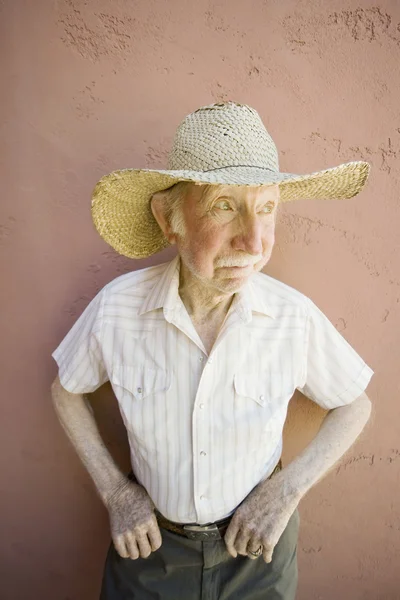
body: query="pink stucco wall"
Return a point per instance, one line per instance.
(88, 87)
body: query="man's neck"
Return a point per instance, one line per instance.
(202, 303)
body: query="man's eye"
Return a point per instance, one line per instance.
(267, 209)
(223, 205)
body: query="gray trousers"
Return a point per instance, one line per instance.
(186, 570)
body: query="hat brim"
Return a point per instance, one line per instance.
(121, 200)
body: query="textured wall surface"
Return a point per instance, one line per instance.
(90, 86)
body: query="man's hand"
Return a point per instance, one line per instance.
(261, 518)
(134, 527)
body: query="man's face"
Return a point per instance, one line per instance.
(230, 233)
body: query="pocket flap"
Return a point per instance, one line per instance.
(249, 387)
(140, 381)
(264, 389)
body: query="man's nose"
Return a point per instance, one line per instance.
(249, 239)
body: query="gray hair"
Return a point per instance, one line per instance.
(171, 201)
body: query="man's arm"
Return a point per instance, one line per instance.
(76, 417)
(261, 519)
(339, 430)
(134, 527)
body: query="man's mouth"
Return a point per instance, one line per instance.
(237, 268)
(227, 263)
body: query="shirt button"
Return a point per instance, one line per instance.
(202, 497)
(201, 406)
(139, 390)
(261, 397)
(202, 453)
(210, 361)
(201, 359)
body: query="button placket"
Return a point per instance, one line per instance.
(201, 462)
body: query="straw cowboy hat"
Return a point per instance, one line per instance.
(223, 143)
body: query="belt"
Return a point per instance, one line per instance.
(199, 533)
(202, 533)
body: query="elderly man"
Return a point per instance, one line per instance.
(203, 354)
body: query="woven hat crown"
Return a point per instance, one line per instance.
(223, 135)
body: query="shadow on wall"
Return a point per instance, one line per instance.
(111, 425)
(303, 421)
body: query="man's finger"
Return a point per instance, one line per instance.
(132, 546)
(144, 545)
(154, 535)
(267, 553)
(120, 546)
(230, 537)
(241, 542)
(253, 545)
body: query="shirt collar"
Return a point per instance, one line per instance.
(248, 300)
(165, 295)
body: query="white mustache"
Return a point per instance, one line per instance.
(242, 261)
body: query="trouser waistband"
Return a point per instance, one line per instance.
(202, 533)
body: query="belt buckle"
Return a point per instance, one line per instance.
(202, 533)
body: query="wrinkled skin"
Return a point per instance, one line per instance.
(261, 518)
(259, 521)
(133, 524)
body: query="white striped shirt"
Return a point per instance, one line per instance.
(204, 430)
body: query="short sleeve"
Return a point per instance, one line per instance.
(334, 374)
(79, 356)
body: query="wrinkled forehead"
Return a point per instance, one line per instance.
(241, 193)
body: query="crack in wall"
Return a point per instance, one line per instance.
(7, 229)
(369, 24)
(361, 24)
(156, 157)
(341, 324)
(312, 550)
(107, 36)
(387, 151)
(303, 230)
(88, 102)
(369, 460)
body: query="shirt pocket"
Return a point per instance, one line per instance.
(139, 390)
(260, 406)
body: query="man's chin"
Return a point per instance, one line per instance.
(231, 284)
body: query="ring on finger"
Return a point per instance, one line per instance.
(257, 553)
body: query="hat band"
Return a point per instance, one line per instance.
(246, 166)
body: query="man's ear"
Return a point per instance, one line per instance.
(158, 210)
